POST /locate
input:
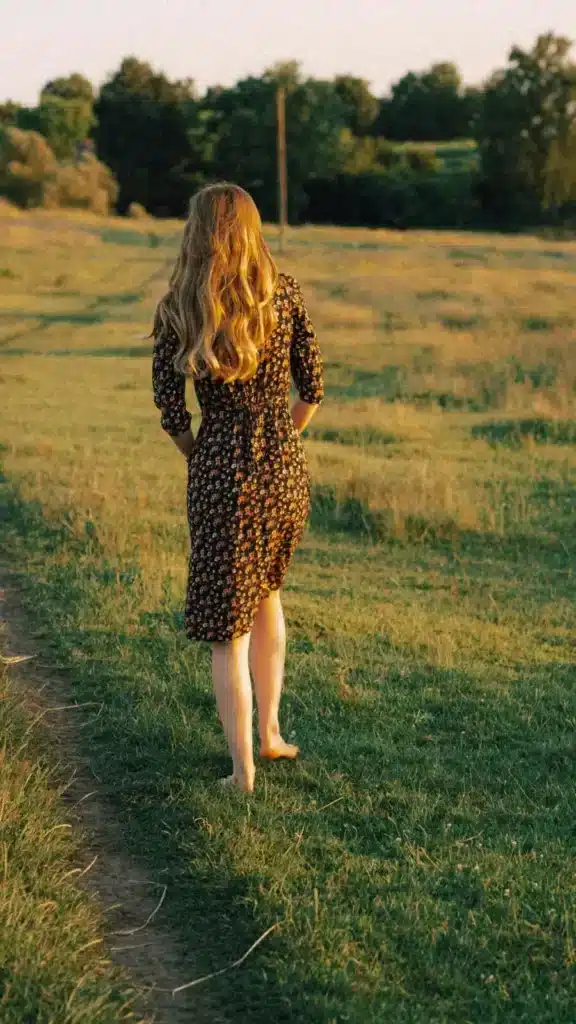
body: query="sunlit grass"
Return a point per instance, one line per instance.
(418, 858)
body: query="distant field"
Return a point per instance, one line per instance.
(420, 858)
(458, 155)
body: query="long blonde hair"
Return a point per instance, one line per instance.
(220, 297)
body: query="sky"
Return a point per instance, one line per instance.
(216, 42)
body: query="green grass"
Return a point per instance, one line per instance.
(456, 155)
(53, 966)
(420, 857)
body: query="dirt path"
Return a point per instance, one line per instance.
(153, 956)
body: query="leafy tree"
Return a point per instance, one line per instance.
(242, 126)
(428, 106)
(64, 123)
(162, 142)
(285, 72)
(147, 133)
(361, 106)
(526, 132)
(472, 100)
(70, 87)
(560, 188)
(241, 121)
(398, 198)
(9, 113)
(315, 120)
(368, 154)
(27, 167)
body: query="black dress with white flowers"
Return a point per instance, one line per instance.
(248, 480)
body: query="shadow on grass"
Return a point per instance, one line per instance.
(357, 436)
(90, 316)
(461, 323)
(463, 256)
(546, 323)
(487, 384)
(494, 255)
(112, 298)
(392, 384)
(439, 295)
(350, 383)
(99, 310)
(106, 352)
(552, 544)
(324, 244)
(144, 239)
(513, 433)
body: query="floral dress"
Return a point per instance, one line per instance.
(248, 480)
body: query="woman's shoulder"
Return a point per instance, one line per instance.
(288, 285)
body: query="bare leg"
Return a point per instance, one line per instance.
(231, 679)
(267, 656)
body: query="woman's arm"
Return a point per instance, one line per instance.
(305, 362)
(169, 388)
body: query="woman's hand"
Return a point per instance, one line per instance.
(185, 443)
(302, 413)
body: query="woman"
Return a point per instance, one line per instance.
(238, 327)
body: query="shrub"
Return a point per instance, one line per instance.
(31, 176)
(137, 212)
(86, 185)
(400, 198)
(27, 167)
(422, 160)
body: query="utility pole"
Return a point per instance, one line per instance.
(282, 174)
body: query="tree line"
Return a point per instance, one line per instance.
(432, 153)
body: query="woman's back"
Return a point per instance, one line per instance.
(292, 349)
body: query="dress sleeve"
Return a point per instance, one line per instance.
(305, 356)
(169, 385)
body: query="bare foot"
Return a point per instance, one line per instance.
(278, 748)
(243, 783)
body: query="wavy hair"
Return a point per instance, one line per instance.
(220, 297)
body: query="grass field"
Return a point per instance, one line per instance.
(53, 966)
(419, 859)
(459, 155)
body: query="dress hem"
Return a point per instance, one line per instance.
(233, 634)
